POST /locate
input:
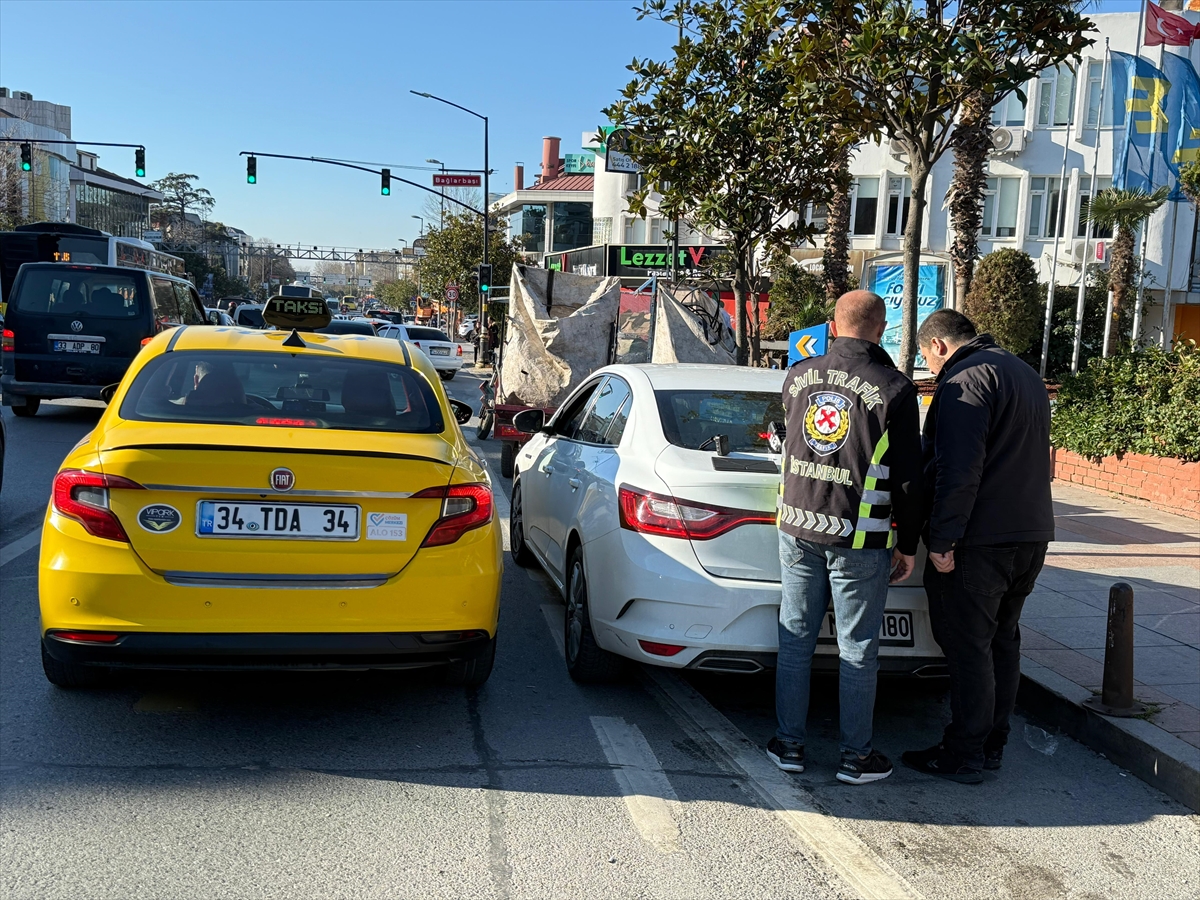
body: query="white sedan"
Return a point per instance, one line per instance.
(649, 498)
(445, 354)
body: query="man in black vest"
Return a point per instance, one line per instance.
(987, 482)
(849, 520)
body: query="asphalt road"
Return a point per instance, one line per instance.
(391, 785)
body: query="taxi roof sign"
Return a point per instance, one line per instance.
(299, 313)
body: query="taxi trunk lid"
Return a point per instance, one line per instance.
(369, 480)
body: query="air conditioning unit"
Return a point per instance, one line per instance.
(1008, 140)
(896, 149)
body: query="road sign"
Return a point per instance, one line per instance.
(457, 181)
(617, 158)
(807, 343)
(452, 292)
(152, 236)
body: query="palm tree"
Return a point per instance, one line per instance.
(1124, 210)
(972, 141)
(835, 260)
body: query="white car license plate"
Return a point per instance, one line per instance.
(896, 630)
(439, 351)
(76, 347)
(310, 521)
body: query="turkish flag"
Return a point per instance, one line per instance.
(1163, 27)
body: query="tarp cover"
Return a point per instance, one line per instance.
(693, 333)
(560, 331)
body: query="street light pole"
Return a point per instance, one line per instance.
(438, 162)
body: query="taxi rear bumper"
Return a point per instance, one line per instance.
(331, 650)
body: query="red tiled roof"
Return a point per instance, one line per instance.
(565, 183)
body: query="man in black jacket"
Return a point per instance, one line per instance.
(987, 482)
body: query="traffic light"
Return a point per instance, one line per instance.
(139, 162)
(26, 157)
(485, 278)
(251, 170)
(385, 182)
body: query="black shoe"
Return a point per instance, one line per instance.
(938, 761)
(788, 755)
(992, 759)
(855, 770)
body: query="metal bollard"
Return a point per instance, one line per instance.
(1116, 698)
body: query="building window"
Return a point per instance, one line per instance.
(1113, 104)
(865, 200)
(572, 226)
(818, 216)
(1045, 211)
(527, 226)
(602, 230)
(1056, 96)
(899, 199)
(1000, 207)
(1009, 112)
(1103, 183)
(635, 230)
(656, 231)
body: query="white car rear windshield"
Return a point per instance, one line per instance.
(273, 389)
(693, 419)
(419, 333)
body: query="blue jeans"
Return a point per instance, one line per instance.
(857, 583)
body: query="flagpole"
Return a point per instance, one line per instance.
(1058, 230)
(1087, 234)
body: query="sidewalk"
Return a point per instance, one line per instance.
(1063, 628)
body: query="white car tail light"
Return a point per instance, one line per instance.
(651, 513)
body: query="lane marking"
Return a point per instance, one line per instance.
(13, 549)
(503, 505)
(867, 874)
(556, 618)
(648, 794)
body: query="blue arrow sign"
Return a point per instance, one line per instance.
(807, 343)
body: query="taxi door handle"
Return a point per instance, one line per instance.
(574, 483)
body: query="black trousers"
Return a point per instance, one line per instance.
(974, 611)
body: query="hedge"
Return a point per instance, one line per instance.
(1145, 402)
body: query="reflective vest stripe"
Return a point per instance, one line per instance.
(865, 522)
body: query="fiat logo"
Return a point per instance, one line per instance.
(77, 326)
(283, 479)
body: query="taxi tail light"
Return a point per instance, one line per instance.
(83, 496)
(464, 508)
(650, 513)
(145, 341)
(8, 342)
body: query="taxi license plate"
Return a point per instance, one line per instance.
(439, 351)
(306, 521)
(76, 347)
(896, 630)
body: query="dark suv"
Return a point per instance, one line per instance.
(70, 331)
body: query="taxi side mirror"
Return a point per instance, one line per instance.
(462, 412)
(529, 421)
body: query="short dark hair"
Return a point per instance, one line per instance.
(949, 325)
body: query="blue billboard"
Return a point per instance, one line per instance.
(888, 282)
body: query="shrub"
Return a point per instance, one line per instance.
(1145, 402)
(797, 299)
(1004, 299)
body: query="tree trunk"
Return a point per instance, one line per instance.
(835, 260)
(741, 288)
(1120, 282)
(918, 173)
(972, 140)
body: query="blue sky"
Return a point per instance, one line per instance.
(197, 82)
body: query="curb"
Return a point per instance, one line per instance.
(1153, 755)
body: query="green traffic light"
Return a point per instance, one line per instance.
(141, 173)
(26, 166)
(251, 179)
(385, 191)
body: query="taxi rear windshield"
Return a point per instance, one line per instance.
(58, 290)
(273, 389)
(693, 419)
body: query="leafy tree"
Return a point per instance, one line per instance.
(181, 196)
(1124, 211)
(199, 267)
(903, 70)
(1005, 299)
(1062, 326)
(453, 254)
(1189, 181)
(714, 137)
(396, 294)
(799, 298)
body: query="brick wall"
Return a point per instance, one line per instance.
(1167, 484)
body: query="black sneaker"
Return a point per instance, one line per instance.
(855, 770)
(788, 755)
(993, 758)
(938, 761)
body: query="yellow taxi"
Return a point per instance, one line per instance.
(272, 499)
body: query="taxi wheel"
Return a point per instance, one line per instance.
(508, 458)
(69, 675)
(521, 553)
(586, 661)
(29, 409)
(472, 672)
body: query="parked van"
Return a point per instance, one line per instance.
(72, 330)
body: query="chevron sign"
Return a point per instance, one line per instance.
(807, 343)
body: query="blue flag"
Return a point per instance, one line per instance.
(1161, 112)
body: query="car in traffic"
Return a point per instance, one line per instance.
(445, 354)
(649, 498)
(272, 500)
(249, 315)
(72, 330)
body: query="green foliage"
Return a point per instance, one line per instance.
(396, 294)
(1062, 328)
(453, 254)
(1006, 301)
(1189, 180)
(199, 267)
(1146, 402)
(798, 299)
